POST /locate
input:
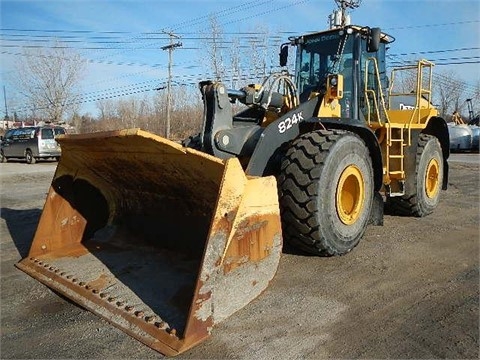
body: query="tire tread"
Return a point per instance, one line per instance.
(303, 166)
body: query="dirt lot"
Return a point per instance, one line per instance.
(409, 290)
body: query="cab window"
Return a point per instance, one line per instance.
(59, 131)
(46, 133)
(320, 55)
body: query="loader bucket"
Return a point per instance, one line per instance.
(160, 240)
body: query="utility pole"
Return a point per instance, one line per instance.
(170, 49)
(6, 108)
(340, 18)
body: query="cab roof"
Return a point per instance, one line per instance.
(385, 38)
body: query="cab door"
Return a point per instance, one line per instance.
(23, 141)
(373, 82)
(13, 148)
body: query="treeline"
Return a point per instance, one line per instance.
(148, 113)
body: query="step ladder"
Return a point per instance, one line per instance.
(395, 164)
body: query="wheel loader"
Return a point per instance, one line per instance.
(165, 240)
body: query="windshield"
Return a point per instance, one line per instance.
(319, 56)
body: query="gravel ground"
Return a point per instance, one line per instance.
(409, 290)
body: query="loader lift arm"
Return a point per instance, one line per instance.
(225, 135)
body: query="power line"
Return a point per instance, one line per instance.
(451, 59)
(441, 63)
(439, 78)
(437, 51)
(433, 25)
(64, 30)
(73, 39)
(232, 10)
(227, 11)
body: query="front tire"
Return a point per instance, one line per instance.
(428, 181)
(30, 159)
(326, 192)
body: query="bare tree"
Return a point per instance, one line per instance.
(235, 63)
(274, 49)
(128, 112)
(405, 82)
(49, 78)
(259, 54)
(449, 93)
(214, 45)
(105, 108)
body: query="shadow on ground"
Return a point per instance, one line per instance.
(21, 225)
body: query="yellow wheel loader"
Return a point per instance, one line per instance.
(165, 240)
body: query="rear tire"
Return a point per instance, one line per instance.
(29, 157)
(428, 181)
(326, 192)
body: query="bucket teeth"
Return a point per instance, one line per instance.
(154, 320)
(149, 319)
(162, 325)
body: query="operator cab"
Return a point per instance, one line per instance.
(341, 51)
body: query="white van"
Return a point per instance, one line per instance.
(31, 143)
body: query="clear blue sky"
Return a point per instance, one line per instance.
(129, 59)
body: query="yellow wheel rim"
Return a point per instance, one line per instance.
(350, 195)
(432, 183)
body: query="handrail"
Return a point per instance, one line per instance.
(419, 90)
(367, 90)
(398, 134)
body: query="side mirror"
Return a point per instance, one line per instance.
(373, 42)
(284, 54)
